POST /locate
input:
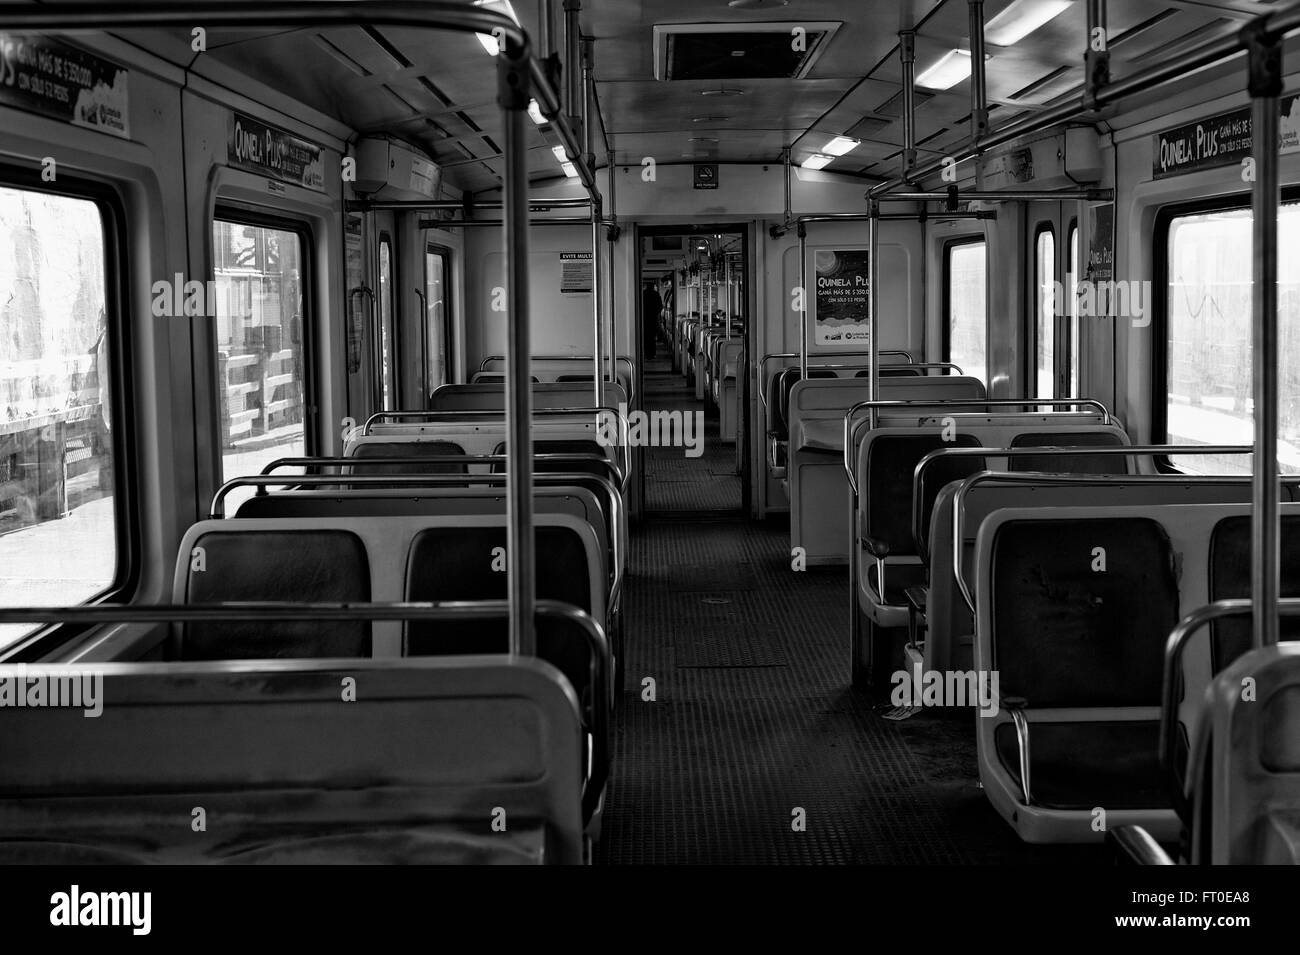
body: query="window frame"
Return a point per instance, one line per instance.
(395, 387)
(1073, 339)
(257, 218)
(445, 253)
(1159, 377)
(45, 639)
(946, 281)
(1045, 227)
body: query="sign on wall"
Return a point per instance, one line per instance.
(272, 152)
(43, 75)
(1100, 267)
(706, 175)
(841, 301)
(1221, 140)
(575, 272)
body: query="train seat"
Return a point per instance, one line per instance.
(1077, 647)
(818, 485)
(411, 771)
(1244, 777)
(893, 510)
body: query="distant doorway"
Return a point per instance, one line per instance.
(694, 328)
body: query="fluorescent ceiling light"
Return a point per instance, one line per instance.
(559, 153)
(490, 43)
(952, 68)
(569, 170)
(1022, 18)
(535, 113)
(841, 145)
(817, 161)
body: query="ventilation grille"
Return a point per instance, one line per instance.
(893, 106)
(745, 51)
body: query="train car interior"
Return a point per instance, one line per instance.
(649, 432)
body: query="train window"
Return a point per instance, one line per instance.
(387, 394)
(437, 331)
(966, 305)
(261, 352)
(1072, 291)
(1207, 361)
(1045, 311)
(59, 484)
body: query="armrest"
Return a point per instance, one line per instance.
(876, 547)
(1015, 705)
(1133, 845)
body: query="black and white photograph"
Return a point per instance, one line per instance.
(743, 433)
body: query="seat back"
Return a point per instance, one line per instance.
(1230, 578)
(410, 771)
(1245, 765)
(308, 564)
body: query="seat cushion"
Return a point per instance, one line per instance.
(1085, 765)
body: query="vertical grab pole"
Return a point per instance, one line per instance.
(597, 274)
(513, 96)
(979, 104)
(1265, 86)
(803, 302)
(873, 305)
(611, 235)
(907, 58)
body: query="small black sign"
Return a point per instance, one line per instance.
(706, 175)
(269, 151)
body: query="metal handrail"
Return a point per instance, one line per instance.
(875, 406)
(618, 518)
(762, 364)
(918, 531)
(601, 668)
(1033, 477)
(413, 460)
(631, 397)
(497, 416)
(1177, 643)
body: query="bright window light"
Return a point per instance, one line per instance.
(535, 113)
(1021, 19)
(817, 161)
(951, 69)
(841, 145)
(490, 43)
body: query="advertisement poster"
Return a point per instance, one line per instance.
(42, 75)
(1221, 140)
(272, 152)
(1100, 269)
(841, 300)
(575, 272)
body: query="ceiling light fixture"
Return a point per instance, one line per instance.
(841, 145)
(952, 68)
(817, 161)
(1022, 18)
(535, 113)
